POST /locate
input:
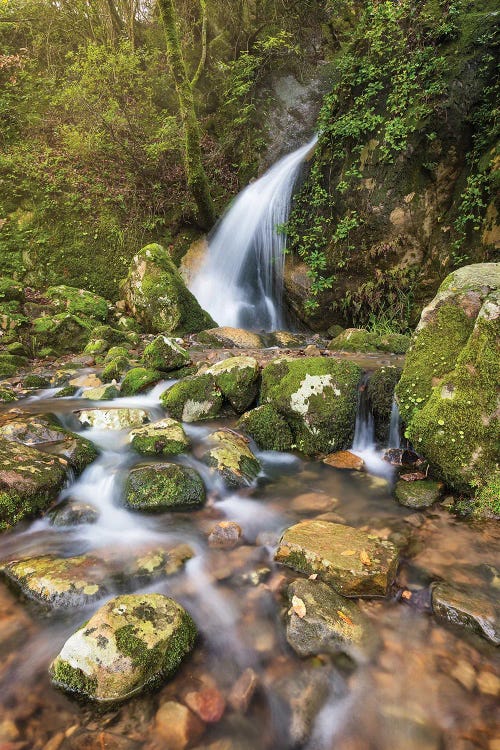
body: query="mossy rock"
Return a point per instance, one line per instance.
(381, 386)
(133, 643)
(112, 419)
(487, 500)
(11, 290)
(157, 296)
(7, 396)
(115, 369)
(354, 340)
(162, 487)
(64, 333)
(104, 337)
(16, 348)
(420, 494)
(139, 379)
(396, 343)
(78, 302)
(318, 398)
(73, 513)
(67, 391)
(164, 354)
(101, 393)
(193, 399)
(268, 428)
(35, 381)
(238, 379)
(231, 458)
(114, 352)
(163, 438)
(466, 607)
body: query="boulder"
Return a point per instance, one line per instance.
(468, 608)
(268, 428)
(419, 494)
(448, 390)
(29, 481)
(62, 333)
(162, 487)
(73, 513)
(77, 302)
(157, 297)
(344, 460)
(361, 340)
(318, 397)
(352, 562)
(238, 379)
(230, 338)
(132, 643)
(112, 419)
(34, 381)
(139, 379)
(101, 393)
(230, 457)
(115, 369)
(193, 399)
(103, 338)
(163, 438)
(164, 354)
(321, 621)
(11, 290)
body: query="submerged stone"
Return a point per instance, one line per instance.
(165, 437)
(420, 494)
(231, 458)
(73, 513)
(352, 562)
(162, 487)
(344, 460)
(112, 419)
(164, 354)
(193, 399)
(468, 608)
(132, 643)
(268, 428)
(237, 377)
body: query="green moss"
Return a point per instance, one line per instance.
(63, 333)
(354, 340)
(115, 352)
(164, 354)
(160, 438)
(115, 369)
(72, 679)
(194, 398)
(381, 386)
(35, 381)
(6, 395)
(78, 302)
(237, 377)
(68, 390)
(138, 379)
(11, 290)
(164, 487)
(487, 500)
(397, 343)
(268, 428)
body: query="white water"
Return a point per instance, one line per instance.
(241, 281)
(364, 444)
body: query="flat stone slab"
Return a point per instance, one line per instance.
(344, 460)
(468, 609)
(421, 493)
(352, 562)
(112, 419)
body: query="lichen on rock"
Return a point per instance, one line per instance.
(160, 487)
(231, 458)
(195, 398)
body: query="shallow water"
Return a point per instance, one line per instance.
(428, 687)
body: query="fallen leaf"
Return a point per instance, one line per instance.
(348, 552)
(406, 594)
(313, 576)
(363, 556)
(298, 607)
(344, 617)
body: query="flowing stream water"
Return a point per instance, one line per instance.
(428, 688)
(241, 282)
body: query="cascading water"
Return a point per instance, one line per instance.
(395, 426)
(241, 282)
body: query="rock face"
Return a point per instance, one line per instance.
(163, 487)
(29, 481)
(157, 297)
(317, 396)
(381, 385)
(352, 562)
(130, 644)
(448, 390)
(321, 621)
(193, 399)
(227, 337)
(468, 609)
(231, 458)
(238, 379)
(420, 494)
(163, 438)
(268, 428)
(112, 419)
(164, 354)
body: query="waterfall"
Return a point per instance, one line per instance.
(395, 426)
(364, 431)
(241, 281)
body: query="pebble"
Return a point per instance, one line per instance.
(178, 726)
(243, 690)
(207, 703)
(488, 683)
(225, 535)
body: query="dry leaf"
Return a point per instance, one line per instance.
(348, 552)
(363, 556)
(313, 576)
(406, 594)
(298, 607)
(344, 617)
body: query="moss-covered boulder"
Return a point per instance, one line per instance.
(139, 379)
(163, 438)
(112, 419)
(10, 364)
(396, 343)
(448, 392)
(164, 354)
(227, 337)
(353, 562)
(381, 386)
(317, 396)
(104, 338)
(194, 398)
(157, 297)
(34, 381)
(63, 333)
(320, 621)
(361, 340)
(468, 608)
(115, 352)
(115, 369)
(78, 302)
(268, 428)
(101, 393)
(231, 458)
(11, 290)
(7, 395)
(29, 481)
(160, 487)
(133, 643)
(238, 379)
(420, 494)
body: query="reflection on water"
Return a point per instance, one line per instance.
(428, 688)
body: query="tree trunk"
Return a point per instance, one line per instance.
(195, 173)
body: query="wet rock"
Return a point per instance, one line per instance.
(467, 608)
(243, 690)
(112, 419)
(207, 703)
(165, 437)
(227, 337)
(352, 562)
(225, 535)
(73, 513)
(237, 377)
(139, 379)
(178, 726)
(164, 354)
(194, 398)
(102, 393)
(419, 494)
(29, 481)
(402, 457)
(133, 642)
(231, 458)
(162, 487)
(313, 502)
(344, 460)
(268, 428)
(321, 621)
(34, 381)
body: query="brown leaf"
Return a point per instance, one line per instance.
(363, 556)
(298, 607)
(344, 617)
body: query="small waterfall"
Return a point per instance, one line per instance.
(364, 431)
(395, 426)
(241, 282)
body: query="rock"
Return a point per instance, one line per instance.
(177, 726)
(73, 513)
(225, 535)
(139, 379)
(354, 340)
(157, 297)
(352, 562)
(62, 333)
(268, 428)
(162, 487)
(344, 460)
(299, 698)
(231, 458)
(115, 369)
(104, 337)
(237, 377)
(402, 457)
(116, 352)
(448, 390)
(102, 393)
(318, 397)
(285, 339)
(163, 438)
(468, 608)
(133, 642)
(33, 381)
(243, 690)
(193, 399)
(164, 354)
(419, 494)
(207, 703)
(29, 481)
(7, 395)
(112, 419)
(77, 302)
(11, 290)
(227, 337)
(321, 621)
(380, 387)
